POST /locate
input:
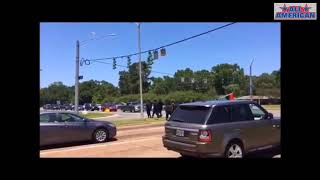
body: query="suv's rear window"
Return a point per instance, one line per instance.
(190, 114)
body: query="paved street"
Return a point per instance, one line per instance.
(136, 141)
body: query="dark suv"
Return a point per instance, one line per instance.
(221, 129)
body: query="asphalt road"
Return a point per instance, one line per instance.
(131, 142)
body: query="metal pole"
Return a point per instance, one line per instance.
(76, 87)
(139, 46)
(251, 80)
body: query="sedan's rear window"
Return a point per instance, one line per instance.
(190, 114)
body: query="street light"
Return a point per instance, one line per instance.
(76, 87)
(139, 47)
(251, 79)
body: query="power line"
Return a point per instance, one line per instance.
(127, 67)
(164, 73)
(117, 57)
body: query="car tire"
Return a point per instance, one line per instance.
(234, 150)
(100, 135)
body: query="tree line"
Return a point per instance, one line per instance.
(184, 86)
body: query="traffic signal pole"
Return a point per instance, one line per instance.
(76, 87)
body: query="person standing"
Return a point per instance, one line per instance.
(155, 108)
(160, 107)
(168, 109)
(174, 106)
(148, 108)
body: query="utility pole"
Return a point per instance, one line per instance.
(251, 79)
(77, 77)
(76, 87)
(139, 46)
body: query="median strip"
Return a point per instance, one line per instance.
(96, 115)
(129, 122)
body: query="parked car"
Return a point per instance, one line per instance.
(131, 107)
(96, 107)
(63, 127)
(119, 105)
(67, 107)
(221, 129)
(47, 107)
(87, 106)
(112, 107)
(55, 107)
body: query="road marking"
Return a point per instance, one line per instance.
(95, 146)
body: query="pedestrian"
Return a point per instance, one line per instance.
(155, 108)
(160, 107)
(174, 106)
(148, 108)
(168, 109)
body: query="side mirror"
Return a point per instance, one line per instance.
(270, 116)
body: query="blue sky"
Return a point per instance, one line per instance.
(238, 43)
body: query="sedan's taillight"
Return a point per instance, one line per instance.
(205, 136)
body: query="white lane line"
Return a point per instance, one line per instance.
(95, 146)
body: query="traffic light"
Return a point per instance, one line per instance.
(150, 60)
(163, 52)
(129, 62)
(155, 54)
(114, 64)
(80, 77)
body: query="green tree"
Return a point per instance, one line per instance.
(233, 88)
(226, 74)
(183, 79)
(129, 81)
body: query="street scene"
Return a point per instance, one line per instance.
(160, 90)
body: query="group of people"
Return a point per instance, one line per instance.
(157, 107)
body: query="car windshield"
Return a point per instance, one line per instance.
(190, 114)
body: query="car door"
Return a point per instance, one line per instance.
(254, 132)
(267, 126)
(51, 130)
(275, 135)
(76, 127)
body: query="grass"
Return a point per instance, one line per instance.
(127, 122)
(272, 107)
(96, 115)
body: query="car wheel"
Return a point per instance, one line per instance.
(100, 135)
(234, 150)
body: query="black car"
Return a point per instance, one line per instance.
(131, 107)
(94, 107)
(63, 127)
(87, 106)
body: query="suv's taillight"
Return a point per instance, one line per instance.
(205, 136)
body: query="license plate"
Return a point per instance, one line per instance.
(180, 132)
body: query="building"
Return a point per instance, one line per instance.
(262, 99)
